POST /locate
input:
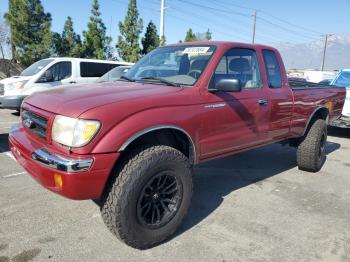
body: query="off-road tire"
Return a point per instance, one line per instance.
(311, 153)
(119, 205)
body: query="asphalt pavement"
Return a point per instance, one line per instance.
(254, 206)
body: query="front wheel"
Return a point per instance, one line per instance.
(311, 152)
(150, 196)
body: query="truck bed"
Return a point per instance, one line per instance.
(308, 97)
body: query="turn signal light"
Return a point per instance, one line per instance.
(58, 181)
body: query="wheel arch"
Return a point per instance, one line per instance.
(318, 113)
(165, 134)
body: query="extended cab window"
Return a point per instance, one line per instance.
(90, 69)
(57, 72)
(241, 64)
(272, 69)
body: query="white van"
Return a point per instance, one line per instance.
(50, 73)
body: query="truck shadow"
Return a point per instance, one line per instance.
(218, 178)
(339, 132)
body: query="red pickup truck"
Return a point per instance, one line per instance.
(132, 143)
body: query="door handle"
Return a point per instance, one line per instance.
(72, 82)
(262, 101)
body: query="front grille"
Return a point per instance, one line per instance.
(35, 123)
(2, 91)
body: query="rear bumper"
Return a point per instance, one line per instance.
(87, 182)
(343, 121)
(12, 102)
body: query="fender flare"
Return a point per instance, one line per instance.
(311, 117)
(159, 127)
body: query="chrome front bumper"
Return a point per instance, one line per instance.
(61, 163)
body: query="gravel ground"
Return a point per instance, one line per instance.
(255, 206)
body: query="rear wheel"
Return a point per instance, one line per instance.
(149, 197)
(311, 152)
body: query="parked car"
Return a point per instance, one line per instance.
(133, 147)
(114, 74)
(343, 79)
(51, 73)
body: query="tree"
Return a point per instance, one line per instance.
(69, 43)
(205, 36)
(95, 42)
(151, 39)
(130, 30)
(30, 26)
(190, 36)
(208, 35)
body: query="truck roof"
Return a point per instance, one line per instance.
(89, 60)
(225, 43)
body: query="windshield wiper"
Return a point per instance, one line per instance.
(127, 78)
(161, 80)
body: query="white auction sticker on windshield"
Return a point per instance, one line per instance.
(198, 50)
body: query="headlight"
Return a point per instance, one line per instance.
(74, 132)
(17, 85)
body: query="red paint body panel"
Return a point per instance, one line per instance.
(125, 109)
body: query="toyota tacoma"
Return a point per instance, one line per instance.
(131, 144)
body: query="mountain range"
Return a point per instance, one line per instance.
(309, 55)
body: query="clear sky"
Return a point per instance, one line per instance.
(277, 20)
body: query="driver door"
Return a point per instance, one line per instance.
(233, 121)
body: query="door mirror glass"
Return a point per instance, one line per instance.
(229, 85)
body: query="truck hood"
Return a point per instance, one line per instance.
(74, 100)
(14, 79)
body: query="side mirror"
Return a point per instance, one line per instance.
(229, 85)
(48, 76)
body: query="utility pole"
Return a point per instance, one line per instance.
(324, 51)
(161, 24)
(254, 27)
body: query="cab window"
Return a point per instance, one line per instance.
(57, 72)
(91, 69)
(241, 64)
(272, 69)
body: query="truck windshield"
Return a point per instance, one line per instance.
(172, 65)
(343, 79)
(36, 67)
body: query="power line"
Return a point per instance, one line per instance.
(284, 28)
(230, 11)
(270, 15)
(215, 9)
(229, 23)
(225, 34)
(200, 18)
(291, 24)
